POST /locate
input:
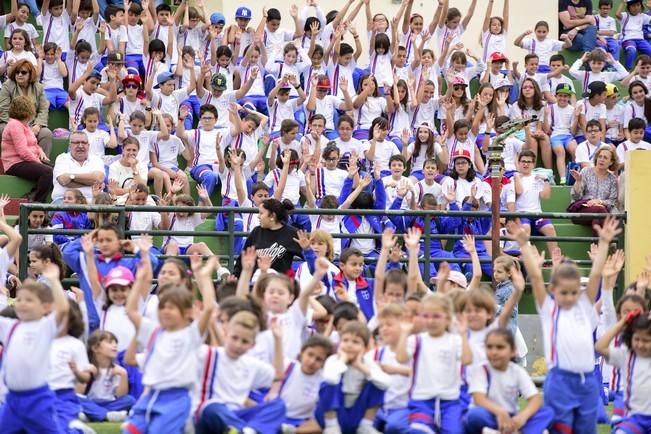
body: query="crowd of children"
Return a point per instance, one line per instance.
(275, 118)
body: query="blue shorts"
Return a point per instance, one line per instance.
(634, 424)
(160, 411)
(536, 225)
(561, 140)
(30, 411)
(57, 98)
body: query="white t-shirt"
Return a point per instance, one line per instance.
(502, 387)
(397, 395)
(437, 368)
(167, 151)
(561, 119)
(65, 164)
(23, 355)
(279, 111)
(454, 145)
(295, 180)
(591, 112)
(372, 108)
(229, 381)
(585, 151)
(116, 36)
(329, 182)
(435, 189)
(51, 78)
(632, 25)
(633, 110)
(636, 379)
(293, 322)
(544, 49)
(614, 116)
(97, 141)
(104, 385)
(493, 43)
(205, 146)
(628, 146)
(326, 107)
(169, 103)
(56, 29)
(82, 101)
(185, 224)
(417, 161)
(66, 349)
(300, 392)
(425, 112)
(383, 152)
(568, 334)
(529, 200)
(171, 356)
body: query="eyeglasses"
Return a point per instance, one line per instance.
(526, 162)
(79, 142)
(22, 72)
(131, 86)
(332, 159)
(460, 162)
(593, 131)
(459, 87)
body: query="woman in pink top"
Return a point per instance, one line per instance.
(21, 155)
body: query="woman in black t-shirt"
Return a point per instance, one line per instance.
(274, 237)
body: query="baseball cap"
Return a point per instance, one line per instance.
(323, 83)
(459, 81)
(249, 105)
(611, 89)
(564, 89)
(218, 82)
(428, 125)
(95, 74)
(119, 276)
(162, 78)
(243, 12)
(458, 278)
(503, 82)
(497, 56)
(217, 17)
(595, 88)
(461, 153)
(116, 57)
(132, 78)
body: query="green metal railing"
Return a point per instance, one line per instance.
(230, 234)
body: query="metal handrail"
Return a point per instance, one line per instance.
(122, 212)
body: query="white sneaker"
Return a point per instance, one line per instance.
(82, 416)
(487, 430)
(116, 416)
(248, 430)
(77, 424)
(332, 430)
(287, 428)
(367, 429)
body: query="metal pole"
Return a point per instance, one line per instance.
(426, 247)
(24, 245)
(231, 239)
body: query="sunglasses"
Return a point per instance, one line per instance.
(131, 86)
(459, 87)
(22, 72)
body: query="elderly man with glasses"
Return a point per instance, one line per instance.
(76, 169)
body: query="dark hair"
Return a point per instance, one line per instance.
(55, 3)
(544, 24)
(405, 100)
(163, 7)
(329, 202)
(329, 149)
(345, 49)
(397, 277)
(506, 335)
(51, 252)
(259, 186)
(82, 46)
(360, 83)
(593, 123)
(643, 59)
(452, 14)
(461, 123)
(233, 304)
(528, 153)
(378, 122)
(469, 176)
(428, 199)
(382, 41)
(135, 8)
(287, 125)
(557, 58)
(308, 24)
(318, 117)
(345, 310)
(156, 45)
(50, 46)
(605, 3)
(347, 119)
(320, 342)
(637, 83)
(636, 124)
(429, 150)
(349, 252)
(537, 95)
(224, 50)
(330, 16)
(273, 14)
(208, 108)
(110, 11)
(226, 289)
(112, 227)
(358, 329)
(184, 271)
(96, 338)
(328, 303)
(75, 321)
(640, 324)
(398, 157)
(42, 292)
(278, 208)
(635, 298)
(530, 56)
(137, 116)
(228, 150)
(89, 111)
(293, 157)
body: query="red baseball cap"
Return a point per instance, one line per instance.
(496, 56)
(462, 153)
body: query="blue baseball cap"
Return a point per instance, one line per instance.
(95, 74)
(217, 17)
(243, 12)
(162, 78)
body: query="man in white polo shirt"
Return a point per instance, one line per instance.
(76, 169)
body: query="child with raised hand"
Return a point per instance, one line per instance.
(187, 221)
(437, 356)
(633, 21)
(541, 45)
(170, 363)
(634, 361)
(505, 270)
(495, 386)
(354, 385)
(494, 31)
(568, 321)
(30, 405)
(450, 22)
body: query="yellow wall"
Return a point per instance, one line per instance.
(524, 15)
(638, 211)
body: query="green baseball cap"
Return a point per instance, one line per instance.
(218, 82)
(564, 89)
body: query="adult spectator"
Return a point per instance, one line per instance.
(274, 237)
(21, 155)
(577, 23)
(23, 80)
(595, 188)
(76, 169)
(529, 189)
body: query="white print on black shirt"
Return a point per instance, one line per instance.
(275, 251)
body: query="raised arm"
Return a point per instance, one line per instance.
(607, 234)
(469, 14)
(521, 236)
(389, 240)
(60, 300)
(203, 275)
